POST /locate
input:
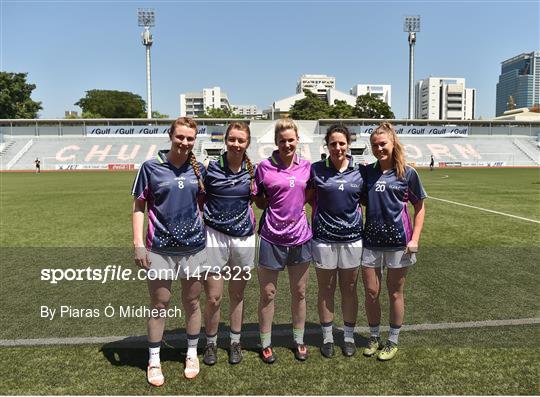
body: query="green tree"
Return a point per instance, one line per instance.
(219, 113)
(157, 115)
(15, 101)
(341, 110)
(112, 104)
(310, 108)
(368, 106)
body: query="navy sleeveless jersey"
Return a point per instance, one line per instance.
(388, 224)
(337, 215)
(175, 226)
(227, 207)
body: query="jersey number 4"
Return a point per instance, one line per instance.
(341, 187)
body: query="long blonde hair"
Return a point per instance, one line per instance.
(398, 153)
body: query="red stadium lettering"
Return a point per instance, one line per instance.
(60, 154)
(95, 151)
(122, 155)
(467, 150)
(439, 150)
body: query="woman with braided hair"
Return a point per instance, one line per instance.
(170, 185)
(230, 235)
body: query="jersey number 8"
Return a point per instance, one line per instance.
(180, 184)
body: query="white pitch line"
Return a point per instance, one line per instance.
(247, 334)
(485, 209)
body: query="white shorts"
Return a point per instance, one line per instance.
(390, 259)
(331, 256)
(173, 267)
(224, 250)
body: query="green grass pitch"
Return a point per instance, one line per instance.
(472, 266)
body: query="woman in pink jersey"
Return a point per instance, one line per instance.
(285, 235)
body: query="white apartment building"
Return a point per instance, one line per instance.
(316, 83)
(246, 110)
(381, 91)
(444, 98)
(196, 103)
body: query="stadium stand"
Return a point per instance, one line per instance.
(81, 151)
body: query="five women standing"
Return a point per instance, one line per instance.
(174, 186)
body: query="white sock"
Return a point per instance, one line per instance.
(211, 339)
(375, 331)
(394, 333)
(193, 341)
(348, 332)
(298, 335)
(153, 356)
(266, 339)
(235, 337)
(328, 336)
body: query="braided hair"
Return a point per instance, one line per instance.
(238, 125)
(197, 170)
(249, 166)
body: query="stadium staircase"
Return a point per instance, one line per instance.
(530, 152)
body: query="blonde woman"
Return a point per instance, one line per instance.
(390, 238)
(285, 235)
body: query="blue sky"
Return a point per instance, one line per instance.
(256, 50)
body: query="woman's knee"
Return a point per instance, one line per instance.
(299, 293)
(160, 304)
(236, 296)
(372, 292)
(395, 295)
(213, 301)
(268, 294)
(191, 305)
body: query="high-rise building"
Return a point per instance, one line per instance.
(444, 98)
(316, 83)
(381, 91)
(197, 103)
(519, 82)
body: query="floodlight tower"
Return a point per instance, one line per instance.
(412, 26)
(147, 19)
